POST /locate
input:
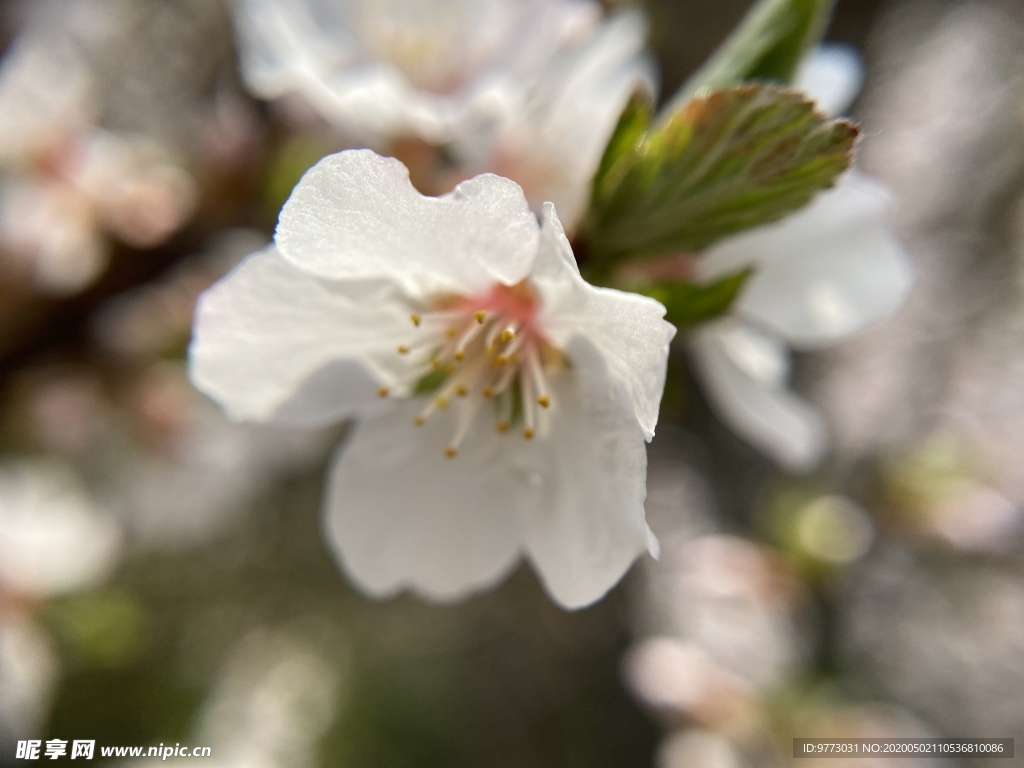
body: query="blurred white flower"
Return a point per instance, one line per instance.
(29, 668)
(64, 183)
(272, 701)
(445, 323)
(54, 218)
(822, 274)
(52, 540)
(680, 679)
(552, 139)
(381, 70)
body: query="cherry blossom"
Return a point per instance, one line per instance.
(503, 402)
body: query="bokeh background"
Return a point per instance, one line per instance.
(162, 574)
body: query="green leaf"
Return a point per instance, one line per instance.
(626, 139)
(767, 45)
(727, 161)
(689, 304)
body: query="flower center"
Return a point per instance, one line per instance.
(429, 48)
(467, 351)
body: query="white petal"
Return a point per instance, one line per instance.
(832, 75)
(552, 145)
(284, 46)
(750, 395)
(380, 70)
(400, 515)
(588, 526)
(824, 273)
(272, 342)
(355, 215)
(376, 103)
(628, 330)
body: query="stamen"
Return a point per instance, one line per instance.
(466, 416)
(505, 406)
(467, 337)
(507, 374)
(466, 356)
(491, 343)
(383, 392)
(508, 354)
(529, 406)
(437, 403)
(535, 369)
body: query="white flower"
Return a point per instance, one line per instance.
(542, 388)
(552, 140)
(822, 274)
(380, 69)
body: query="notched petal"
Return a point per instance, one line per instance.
(355, 215)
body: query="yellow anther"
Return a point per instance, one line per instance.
(451, 333)
(487, 391)
(449, 369)
(436, 364)
(451, 452)
(420, 420)
(508, 334)
(416, 319)
(528, 433)
(480, 316)
(503, 359)
(403, 350)
(462, 390)
(441, 403)
(459, 356)
(383, 392)
(544, 401)
(502, 426)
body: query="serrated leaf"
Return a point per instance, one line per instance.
(727, 161)
(689, 304)
(767, 45)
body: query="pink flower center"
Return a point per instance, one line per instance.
(468, 350)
